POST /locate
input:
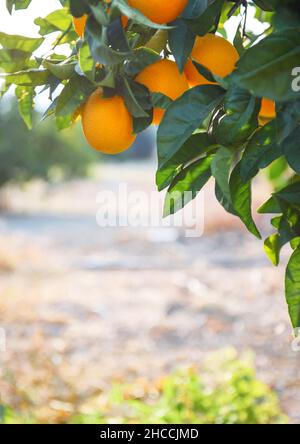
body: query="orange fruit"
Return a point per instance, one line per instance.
(159, 11)
(124, 21)
(163, 77)
(79, 23)
(267, 109)
(107, 123)
(216, 54)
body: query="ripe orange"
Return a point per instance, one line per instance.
(79, 23)
(163, 77)
(107, 124)
(267, 109)
(159, 11)
(216, 54)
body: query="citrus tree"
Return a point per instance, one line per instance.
(225, 110)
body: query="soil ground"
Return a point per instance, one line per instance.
(83, 306)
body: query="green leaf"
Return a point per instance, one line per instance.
(17, 4)
(136, 97)
(141, 58)
(25, 95)
(30, 77)
(295, 243)
(181, 42)
(205, 72)
(12, 60)
(59, 20)
(261, 151)
(79, 7)
(183, 117)
(97, 38)
(286, 233)
(292, 287)
(63, 122)
(238, 41)
(287, 119)
(265, 69)
(264, 4)
(241, 117)
(99, 12)
(202, 24)
(271, 206)
(73, 95)
(220, 168)
(272, 249)
(195, 8)
(62, 70)
(290, 194)
(291, 149)
(19, 42)
(187, 185)
(285, 17)
(159, 100)
(195, 147)
(275, 172)
(241, 198)
(86, 61)
(117, 38)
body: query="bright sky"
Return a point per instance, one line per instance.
(22, 22)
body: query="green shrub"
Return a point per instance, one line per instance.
(43, 153)
(226, 392)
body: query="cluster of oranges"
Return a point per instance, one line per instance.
(107, 123)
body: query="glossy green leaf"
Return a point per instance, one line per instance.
(240, 120)
(30, 77)
(241, 197)
(25, 95)
(220, 167)
(202, 24)
(12, 60)
(183, 117)
(266, 68)
(292, 287)
(287, 119)
(59, 20)
(181, 42)
(291, 149)
(187, 185)
(19, 42)
(17, 4)
(73, 95)
(195, 147)
(261, 151)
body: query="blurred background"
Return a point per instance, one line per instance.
(130, 324)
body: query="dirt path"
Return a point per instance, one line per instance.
(83, 305)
